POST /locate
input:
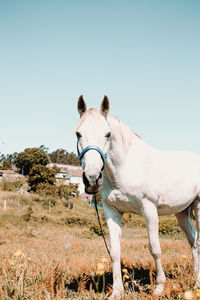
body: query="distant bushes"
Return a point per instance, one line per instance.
(6, 165)
(42, 181)
(40, 174)
(48, 196)
(132, 220)
(75, 220)
(11, 186)
(95, 228)
(28, 214)
(61, 156)
(58, 191)
(92, 225)
(169, 226)
(46, 202)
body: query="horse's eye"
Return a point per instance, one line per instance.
(78, 135)
(108, 135)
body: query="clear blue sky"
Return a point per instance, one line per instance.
(145, 55)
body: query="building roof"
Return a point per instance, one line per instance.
(75, 172)
(10, 173)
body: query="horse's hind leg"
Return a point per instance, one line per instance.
(185, 223)
(197, 215)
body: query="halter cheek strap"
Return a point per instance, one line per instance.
(92, 147)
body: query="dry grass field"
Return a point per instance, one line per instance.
(56, 253)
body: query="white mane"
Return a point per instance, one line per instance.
(120, 129)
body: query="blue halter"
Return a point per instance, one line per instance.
(92, 147)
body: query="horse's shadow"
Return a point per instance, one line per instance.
(138, 279)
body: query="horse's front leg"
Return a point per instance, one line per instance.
(113, 219)
(150, 214)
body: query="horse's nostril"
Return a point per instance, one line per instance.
(85, 180)
(92, 179)
(99, 181)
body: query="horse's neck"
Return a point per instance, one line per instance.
(120, 145)
(122, 140)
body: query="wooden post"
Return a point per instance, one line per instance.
(49, 204)
(4, 204)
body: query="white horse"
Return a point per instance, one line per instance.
(139, 179)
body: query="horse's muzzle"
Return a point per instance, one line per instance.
(92, 182)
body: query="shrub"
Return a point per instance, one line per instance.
(132, 220)
(66, 191)
(77, 221)
(41, 174)
(6, 165)
(61, 191)
(46, 189)
(169, 227)
(28, 214)
(95, 228)
(11, 186)
(48, 202)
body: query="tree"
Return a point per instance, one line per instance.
(2, 157)
(29, 158)
(44, 148)
(61, 156)
(7, 160)
(6, 165)
(40, 174)
(11, 157)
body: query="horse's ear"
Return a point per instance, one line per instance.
(105, 106)
(82, 107)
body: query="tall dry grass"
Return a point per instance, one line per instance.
(43, 258)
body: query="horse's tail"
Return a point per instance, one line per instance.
(192, 207)
(191, 211)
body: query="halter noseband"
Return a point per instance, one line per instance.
(92, 147)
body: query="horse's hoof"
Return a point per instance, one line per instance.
(159, 290)
(197, 285)
(116, 295)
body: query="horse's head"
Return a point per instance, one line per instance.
(93, 134)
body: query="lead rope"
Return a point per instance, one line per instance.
(102, 233)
